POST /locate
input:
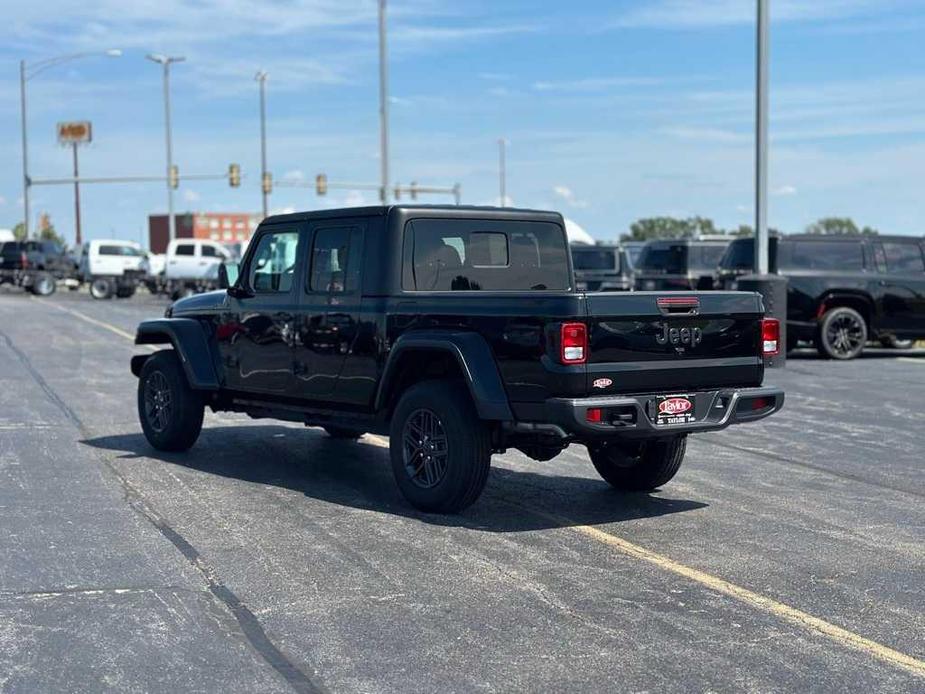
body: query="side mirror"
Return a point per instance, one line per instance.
(228, 274)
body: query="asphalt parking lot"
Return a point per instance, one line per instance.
(786, 555)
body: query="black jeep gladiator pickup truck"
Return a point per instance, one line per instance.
(457, 332)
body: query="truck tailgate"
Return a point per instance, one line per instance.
(658, 341)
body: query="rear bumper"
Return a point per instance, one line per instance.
(633, 415)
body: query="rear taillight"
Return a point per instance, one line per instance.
(770, 337)
(23, 260)
(573, 343)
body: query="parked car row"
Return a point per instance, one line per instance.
(114, 267)
(843, 291)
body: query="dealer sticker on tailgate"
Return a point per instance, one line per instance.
(674, 409)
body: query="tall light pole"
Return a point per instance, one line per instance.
(761, 141)
(261, 78)
(165, 61)
(383, 106)
(502, 170)
(26, 73)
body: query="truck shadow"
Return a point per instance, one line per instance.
(359, 475)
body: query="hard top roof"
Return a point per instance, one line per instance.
(450, 211)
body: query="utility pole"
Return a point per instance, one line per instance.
(25, 151)
(77, 236)
(383, 107)
(761, 141)
(165, 61)
(502, 171)
(261, 78)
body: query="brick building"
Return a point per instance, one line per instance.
(227, 227)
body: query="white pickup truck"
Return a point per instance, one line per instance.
(112, 267)
(189, 266)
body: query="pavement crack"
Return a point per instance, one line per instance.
(250, 626)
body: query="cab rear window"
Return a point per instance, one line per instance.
(475, 255)
(594, 258)
(668, 258)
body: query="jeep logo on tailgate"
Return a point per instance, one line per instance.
(679, 336)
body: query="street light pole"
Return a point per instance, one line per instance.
(383, 106)
(261, 78)
(166, 61)
(761, 142)
(25, 151)
(24, 76)
(502, 170)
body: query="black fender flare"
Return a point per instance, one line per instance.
(476, 362)
(191, 343)
(860, 296)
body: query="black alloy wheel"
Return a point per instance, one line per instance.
(158, 402)
(425, 449)
(843, 333)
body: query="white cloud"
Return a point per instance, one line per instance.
(784, 191)
(568, 195)
(595, 84)
(295, 175)
(688, 14)
(191, 196)
(2, 201)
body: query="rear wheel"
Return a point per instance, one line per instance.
(842, 333)
(639, 466)
(101, 288)
(170, 411)
(440, 449)
(43, 285)
(125, 292)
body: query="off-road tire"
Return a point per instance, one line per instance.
(177, 427)
(842, 334)
(101, 288)
(467, 456)
(343, 434)
(125, 292)
(43, 285)
(639, 466)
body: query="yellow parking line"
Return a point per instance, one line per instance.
(93, 321)
(719, 585)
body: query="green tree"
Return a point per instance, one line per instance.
(838, 225)
(670, 228)
(19, 231)
(49, 234)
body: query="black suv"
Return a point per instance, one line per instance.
(34, 265)
(458, 332)
(843, 290)
(679, 264)
(601, 268)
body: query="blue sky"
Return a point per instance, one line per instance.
(614, 110)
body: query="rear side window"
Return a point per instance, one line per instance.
(272, 266)
(595, 258)
(824, 255)
(210, 252)
(185, 249)
(476, 255)
(710, 256)
(903, 258)
(670, 259)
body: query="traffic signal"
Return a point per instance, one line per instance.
(173, 178)
(267, 182)
(234, 175)
(321, 184)
(397, 191)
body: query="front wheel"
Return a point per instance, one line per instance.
(440, 449)
(639, 466)
(170, 411)
(842, 334)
